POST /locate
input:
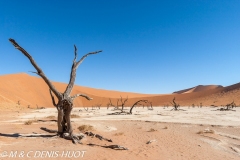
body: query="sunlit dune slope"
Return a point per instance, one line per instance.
(198, 88)
(31, 91)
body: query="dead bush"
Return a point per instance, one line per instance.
(206, 131)
(152, 130)
(75, 116)
(85, 128)
(119, 134)
(29, 122)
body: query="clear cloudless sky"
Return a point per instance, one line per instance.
(149, 46)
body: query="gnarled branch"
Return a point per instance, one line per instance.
(83, 95)
(53, 100)
(136, 103)
(74, 69)
(39, 70)
(123, 102)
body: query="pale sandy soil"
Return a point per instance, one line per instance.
(175, 132)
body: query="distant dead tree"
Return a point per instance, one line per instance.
(64, 103)
(123, 102)
(176, 107)
(110, 104)
(150, 107)
(130, 112)
(137, 103)
(85, 108)
(120, 103)
(229, 107)
(98, 105)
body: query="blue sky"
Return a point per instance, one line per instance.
(149, 46)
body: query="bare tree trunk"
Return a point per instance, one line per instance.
(60, 120)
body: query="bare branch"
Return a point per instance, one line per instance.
(154, 140)
(75, 53)
(83, 95)
(123, 102)
(48, 130)
(39, 70)
(97, 136)
(110, 103)
(74, 69)
(34, 72)
(117, 103)
(116, 147)
(138, 102)
(53, 100)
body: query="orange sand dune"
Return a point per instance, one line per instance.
(216, 96)
(198, 88)
(32, 91)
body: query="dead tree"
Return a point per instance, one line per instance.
(110, 104)
(229, 107)
(64, 102)
(175, 105)
(98, 105)
(150, 107)
(136, 103)
(123, 102)
(85, 109)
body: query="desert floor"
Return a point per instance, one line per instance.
(196, 133)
